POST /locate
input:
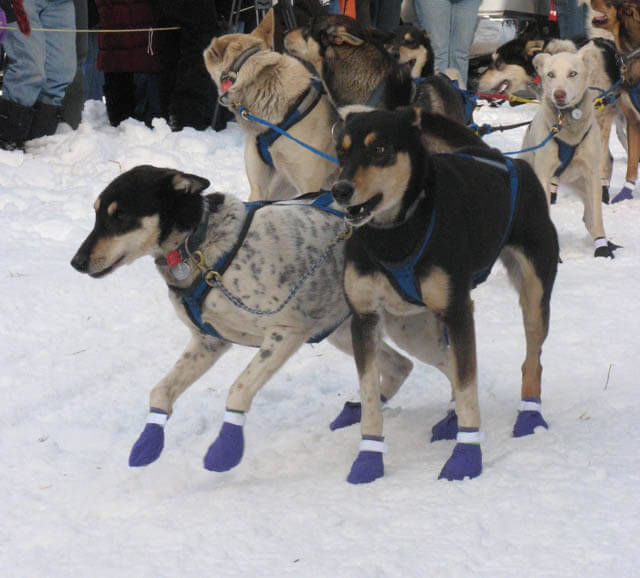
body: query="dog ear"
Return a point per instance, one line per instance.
(186, 183)
(345, 111)
(338, 35)
(590, 55)
(539, 60)
(532, 47)
(265, 30)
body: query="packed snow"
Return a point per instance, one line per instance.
(79, 357)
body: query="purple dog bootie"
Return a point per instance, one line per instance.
(466, 459)
(447, 427)
(368, 466)
(226, 452)
(529, 417)
(625, 194)
(149, 445)
(351, 413)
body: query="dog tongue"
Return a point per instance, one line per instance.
(226, 85)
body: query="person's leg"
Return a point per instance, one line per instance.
(571, 18)
(435, 17)
(24, 76)
(60, 50)
(464, 17)
(388, 14)
(363, 12)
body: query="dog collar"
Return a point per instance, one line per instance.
(228, 77)
(177, 260)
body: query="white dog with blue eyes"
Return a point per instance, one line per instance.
(566, 124)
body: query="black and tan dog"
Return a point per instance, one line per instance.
(427, 229)
(356, 68)
(265, 275)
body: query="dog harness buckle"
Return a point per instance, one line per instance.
(201, 263)
(212, 278)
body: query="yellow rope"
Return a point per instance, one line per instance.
(96, 30)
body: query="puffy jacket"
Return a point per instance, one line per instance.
(126, 52)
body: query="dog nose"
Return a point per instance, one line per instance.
(80, 262)
(559, 95)
(342, 191)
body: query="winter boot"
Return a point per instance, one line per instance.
(45, 120)
(15, 122)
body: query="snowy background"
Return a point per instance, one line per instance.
(78, 357)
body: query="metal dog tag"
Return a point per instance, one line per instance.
(576, 114)
(181, 271)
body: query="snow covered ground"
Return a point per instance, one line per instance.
(78, 357)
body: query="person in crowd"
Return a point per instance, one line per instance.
(40, 67)
(187, 93)
(381, 14)
(129, 61)
(93, 78)
(572, 19)
(73, 101)
(451, 25)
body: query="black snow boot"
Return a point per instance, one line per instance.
(15, 122)
(45, 120)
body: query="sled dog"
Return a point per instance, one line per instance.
(427, 229)
(622, 19)
(572, 156)
(265, 275)
(277, 89)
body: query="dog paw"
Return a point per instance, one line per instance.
(350, 414)
(606, 250)
(465, 462)
(367, 467)
(605, 194)
(527, 422)
(446, 428)
(148, 447)
(625, 194)
(226, 452)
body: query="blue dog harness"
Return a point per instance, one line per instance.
(566, 153)
(403, 277)
(303, 106)
(193, 297)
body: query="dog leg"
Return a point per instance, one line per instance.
(606, 160)
(466, 459)
(368, 466)
(534, 303)
(592, 217)
(425, 337)
(199, 355)
(394, 370)
(279, 345)
(633, 154)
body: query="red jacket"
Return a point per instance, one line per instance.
(126, 52)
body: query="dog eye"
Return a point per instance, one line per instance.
(551, 74)
(572, 74)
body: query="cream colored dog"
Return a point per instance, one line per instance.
(573, 156)
(274, 87)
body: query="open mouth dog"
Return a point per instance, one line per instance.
(358, 214)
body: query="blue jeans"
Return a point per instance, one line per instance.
(571, 19)
(41, 65)
(451, 25)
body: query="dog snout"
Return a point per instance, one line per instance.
(559, 95)
(342, 192)
(80, 261)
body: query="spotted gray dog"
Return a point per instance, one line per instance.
(266, 275)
